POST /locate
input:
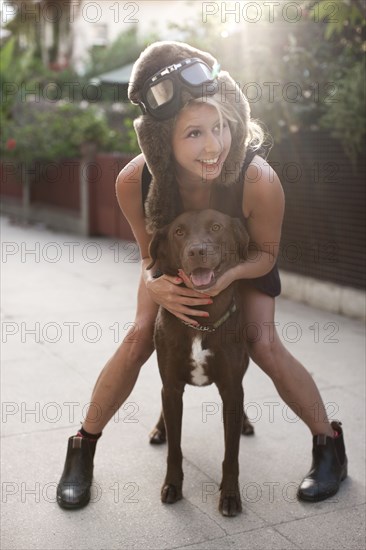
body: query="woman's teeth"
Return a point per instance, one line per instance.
(211, 161)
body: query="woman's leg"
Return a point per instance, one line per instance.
(298, 389)
(293, 382)
(119, 375)
(112, 388)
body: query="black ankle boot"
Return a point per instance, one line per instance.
(73, 490)
(328, 469)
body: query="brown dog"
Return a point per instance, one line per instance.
(204, 244)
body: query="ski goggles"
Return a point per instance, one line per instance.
(161, 94)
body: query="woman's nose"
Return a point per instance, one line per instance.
(213, 143)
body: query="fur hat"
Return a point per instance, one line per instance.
(155, 136)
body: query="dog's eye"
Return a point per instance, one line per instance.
(179, 232)
(216, 227)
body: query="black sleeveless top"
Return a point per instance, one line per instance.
(229, 200)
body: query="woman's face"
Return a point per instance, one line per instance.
(199, 146)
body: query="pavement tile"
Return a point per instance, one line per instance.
(258, 539)
(341, 529)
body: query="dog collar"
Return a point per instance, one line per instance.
(219, 322)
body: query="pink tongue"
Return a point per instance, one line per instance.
(201, 277)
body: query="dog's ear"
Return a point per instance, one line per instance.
(241, 237)
(158, 247)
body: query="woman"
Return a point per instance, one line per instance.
(199, 150)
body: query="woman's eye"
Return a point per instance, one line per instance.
(194, 133)
(218, 128)
(216, 227)
(179, 232)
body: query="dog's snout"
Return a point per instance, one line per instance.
(197, 250)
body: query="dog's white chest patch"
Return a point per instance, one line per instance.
(198, 358)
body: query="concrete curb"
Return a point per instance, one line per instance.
(324, 295)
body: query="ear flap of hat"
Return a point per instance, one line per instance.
(163, 201)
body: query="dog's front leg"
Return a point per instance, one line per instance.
(172, 397)
(232, 397)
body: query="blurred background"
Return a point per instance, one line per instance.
(67, 125)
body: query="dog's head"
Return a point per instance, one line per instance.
(203, 243)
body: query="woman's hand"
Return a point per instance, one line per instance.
(222, 282)
(166, 292)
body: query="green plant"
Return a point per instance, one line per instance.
(345, 117)
(342, 18)
(13, 70)
(344, 114)
(54, 134)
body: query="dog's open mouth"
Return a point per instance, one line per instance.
(202, 277)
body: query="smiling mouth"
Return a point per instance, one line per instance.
(202, 277)
(210, 161)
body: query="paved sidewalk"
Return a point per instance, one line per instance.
(66, 302)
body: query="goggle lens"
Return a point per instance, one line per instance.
(196, 74)
(160, 93)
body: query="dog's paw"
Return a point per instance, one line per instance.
(157, 437)
(247, 428)
(170, 494)
(230, 505)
